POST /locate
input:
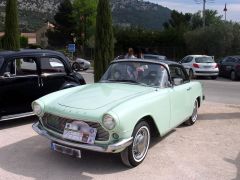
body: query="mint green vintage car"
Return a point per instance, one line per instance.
(135, 100)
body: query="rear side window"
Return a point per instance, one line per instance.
(206, 59)
(22, 67)
(52, 65)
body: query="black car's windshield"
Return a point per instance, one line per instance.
(1, 62)
(134, 72)
(206, 59)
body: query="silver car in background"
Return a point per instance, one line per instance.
(81, 64)
(200, 65)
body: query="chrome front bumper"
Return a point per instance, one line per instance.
(112, 148)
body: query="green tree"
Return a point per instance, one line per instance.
(11, 39)
(23, 42)
(85, 18)
(211, 17)
(64, 26)
(214, 40)
(104, 46)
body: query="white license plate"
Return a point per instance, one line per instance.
(66, 150)
(207, 67)
(80, 132)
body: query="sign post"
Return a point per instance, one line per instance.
(72, 49)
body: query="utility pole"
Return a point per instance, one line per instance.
(204, 9)
(225, 11)
(204, 15)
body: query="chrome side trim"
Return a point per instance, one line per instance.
(113, 148)
(16, 116)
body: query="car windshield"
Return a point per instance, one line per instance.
(136, 72)
(206, 59)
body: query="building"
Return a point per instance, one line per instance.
(32, 37)
(42, 39)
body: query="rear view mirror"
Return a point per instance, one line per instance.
(177, 81)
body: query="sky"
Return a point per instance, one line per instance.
(191, 6)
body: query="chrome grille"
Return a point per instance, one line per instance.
(57, 124)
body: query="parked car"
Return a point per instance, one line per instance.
(27, 75)
(200, 65)
(154, 57)
(230, 67)
(81, 64)
(134, 99)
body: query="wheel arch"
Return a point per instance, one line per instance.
(151, 122)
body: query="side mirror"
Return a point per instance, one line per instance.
(177, 81)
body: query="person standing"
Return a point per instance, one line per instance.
(130, 54)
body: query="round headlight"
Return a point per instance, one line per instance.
(37, 109)
(109, 122)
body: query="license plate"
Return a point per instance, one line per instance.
(207, 67)
(66, 150)
(80, 132)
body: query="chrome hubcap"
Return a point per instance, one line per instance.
(141, 144)
(195, 112)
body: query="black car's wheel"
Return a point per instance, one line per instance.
(233, 76)
(76, 66)
(134, 155)
(213, 77)
(194, 115)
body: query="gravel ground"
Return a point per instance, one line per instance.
(208, 150)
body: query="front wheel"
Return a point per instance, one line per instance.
(134, 155)
(194, 115)
(76, 66)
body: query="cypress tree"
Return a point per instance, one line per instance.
(11, 39)
(104, 47)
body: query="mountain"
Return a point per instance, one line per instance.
(138, 13)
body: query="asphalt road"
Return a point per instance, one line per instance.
(209, 150)
(222, 91)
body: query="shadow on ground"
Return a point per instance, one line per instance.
(219, 116)
(33, 158)
(17, 122)
(237, 164)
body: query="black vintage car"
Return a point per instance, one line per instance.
(230, 67)
(27, 75)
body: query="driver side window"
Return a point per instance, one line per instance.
(177, 74)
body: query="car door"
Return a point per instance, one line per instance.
(53, 74)
(180, 101)
(19, 85)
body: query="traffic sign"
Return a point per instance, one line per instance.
(71, 48)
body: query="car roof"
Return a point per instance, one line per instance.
(161, 62)
(200, 56)
(23, 52)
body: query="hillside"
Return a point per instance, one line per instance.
(126, 13)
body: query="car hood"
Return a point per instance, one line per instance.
(99, 95)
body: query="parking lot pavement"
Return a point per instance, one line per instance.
(208, 150)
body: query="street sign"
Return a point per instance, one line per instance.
(71, 48)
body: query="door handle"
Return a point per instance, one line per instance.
(188, 89)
